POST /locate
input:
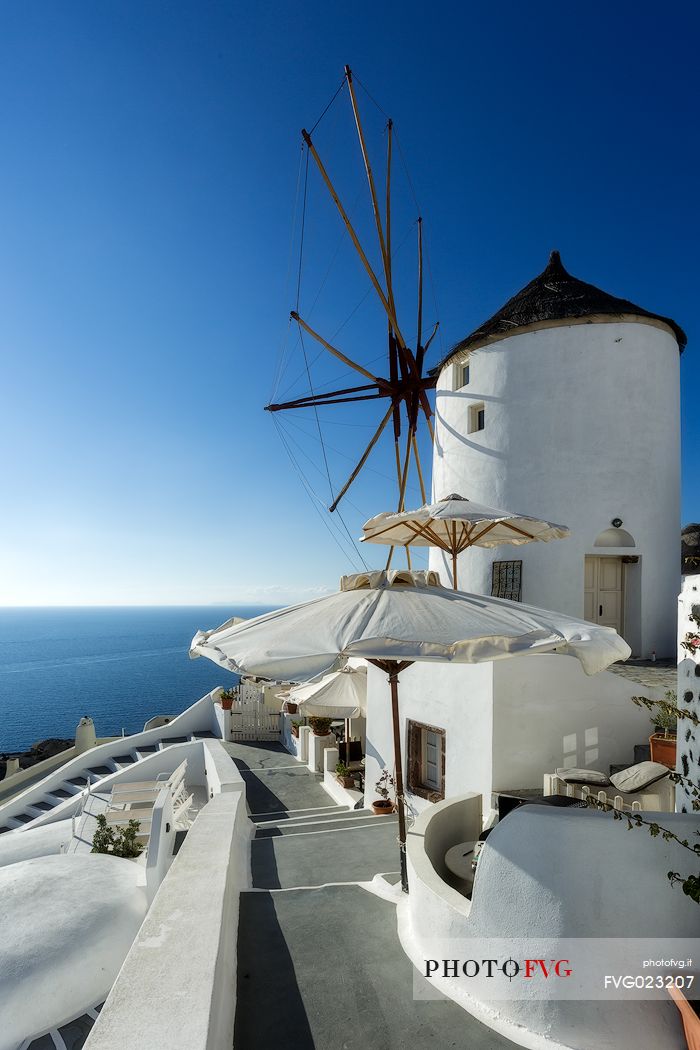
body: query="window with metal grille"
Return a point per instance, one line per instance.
(426, 761)
(506, 580)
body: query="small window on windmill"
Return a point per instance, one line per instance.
(477, 417)
(464, 375)
(506, 580)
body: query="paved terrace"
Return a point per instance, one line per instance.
(320, 966)
(662, 674)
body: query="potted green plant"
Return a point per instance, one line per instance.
(663, 741)
(226, 699)
(320, 726)
(343, 775)
(296, 722)
(383, 804)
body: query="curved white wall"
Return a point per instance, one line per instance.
(581, 426)
(552, 873)
(37, 842)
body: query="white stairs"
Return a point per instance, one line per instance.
(93, 773)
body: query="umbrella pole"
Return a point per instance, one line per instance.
(394, 684)
(454, 570)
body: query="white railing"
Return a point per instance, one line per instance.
(657, 798)
(616, 801)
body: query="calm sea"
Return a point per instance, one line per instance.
(121, 666)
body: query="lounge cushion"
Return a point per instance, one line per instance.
(637, 778)
(572, 775)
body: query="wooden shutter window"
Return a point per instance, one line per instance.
(426, 761)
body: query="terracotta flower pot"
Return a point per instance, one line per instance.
(320, 726)
(291, 708)
(382, 806)
(226, 704)
(663, 749)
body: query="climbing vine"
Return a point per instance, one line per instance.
(691, 642)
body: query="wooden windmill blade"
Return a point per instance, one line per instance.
(406, 386)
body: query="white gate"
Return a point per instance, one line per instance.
(250, 720)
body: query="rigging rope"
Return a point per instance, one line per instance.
(434, 294)
(338, 330)
(325, 458)
(301, 335)
(318, 421)
(339, 89)
(407, 173)
(303, 226)
(411, 487)
(372, 99)
(364, 514)
(313, 497)
(303, 347)
(284, 347)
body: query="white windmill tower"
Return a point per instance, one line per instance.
(565, 405)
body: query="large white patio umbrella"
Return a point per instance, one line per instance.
(456, 523)
(393, 619)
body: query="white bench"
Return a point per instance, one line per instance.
(135, 801)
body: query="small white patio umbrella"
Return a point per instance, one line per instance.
(392, 619)
(340, 694)
(456, 523)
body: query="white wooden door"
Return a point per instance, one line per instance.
(603, 600)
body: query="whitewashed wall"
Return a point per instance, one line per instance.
(506, 723)
(548, 713)
(456, 698)
(582, 426)
(177, 987)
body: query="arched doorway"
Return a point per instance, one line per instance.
(613, 537)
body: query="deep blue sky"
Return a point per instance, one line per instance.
(150, 156)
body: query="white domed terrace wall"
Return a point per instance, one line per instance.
(581, 426)
(544, 874)
(66, 925)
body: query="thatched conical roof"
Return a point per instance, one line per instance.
(555, 296)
